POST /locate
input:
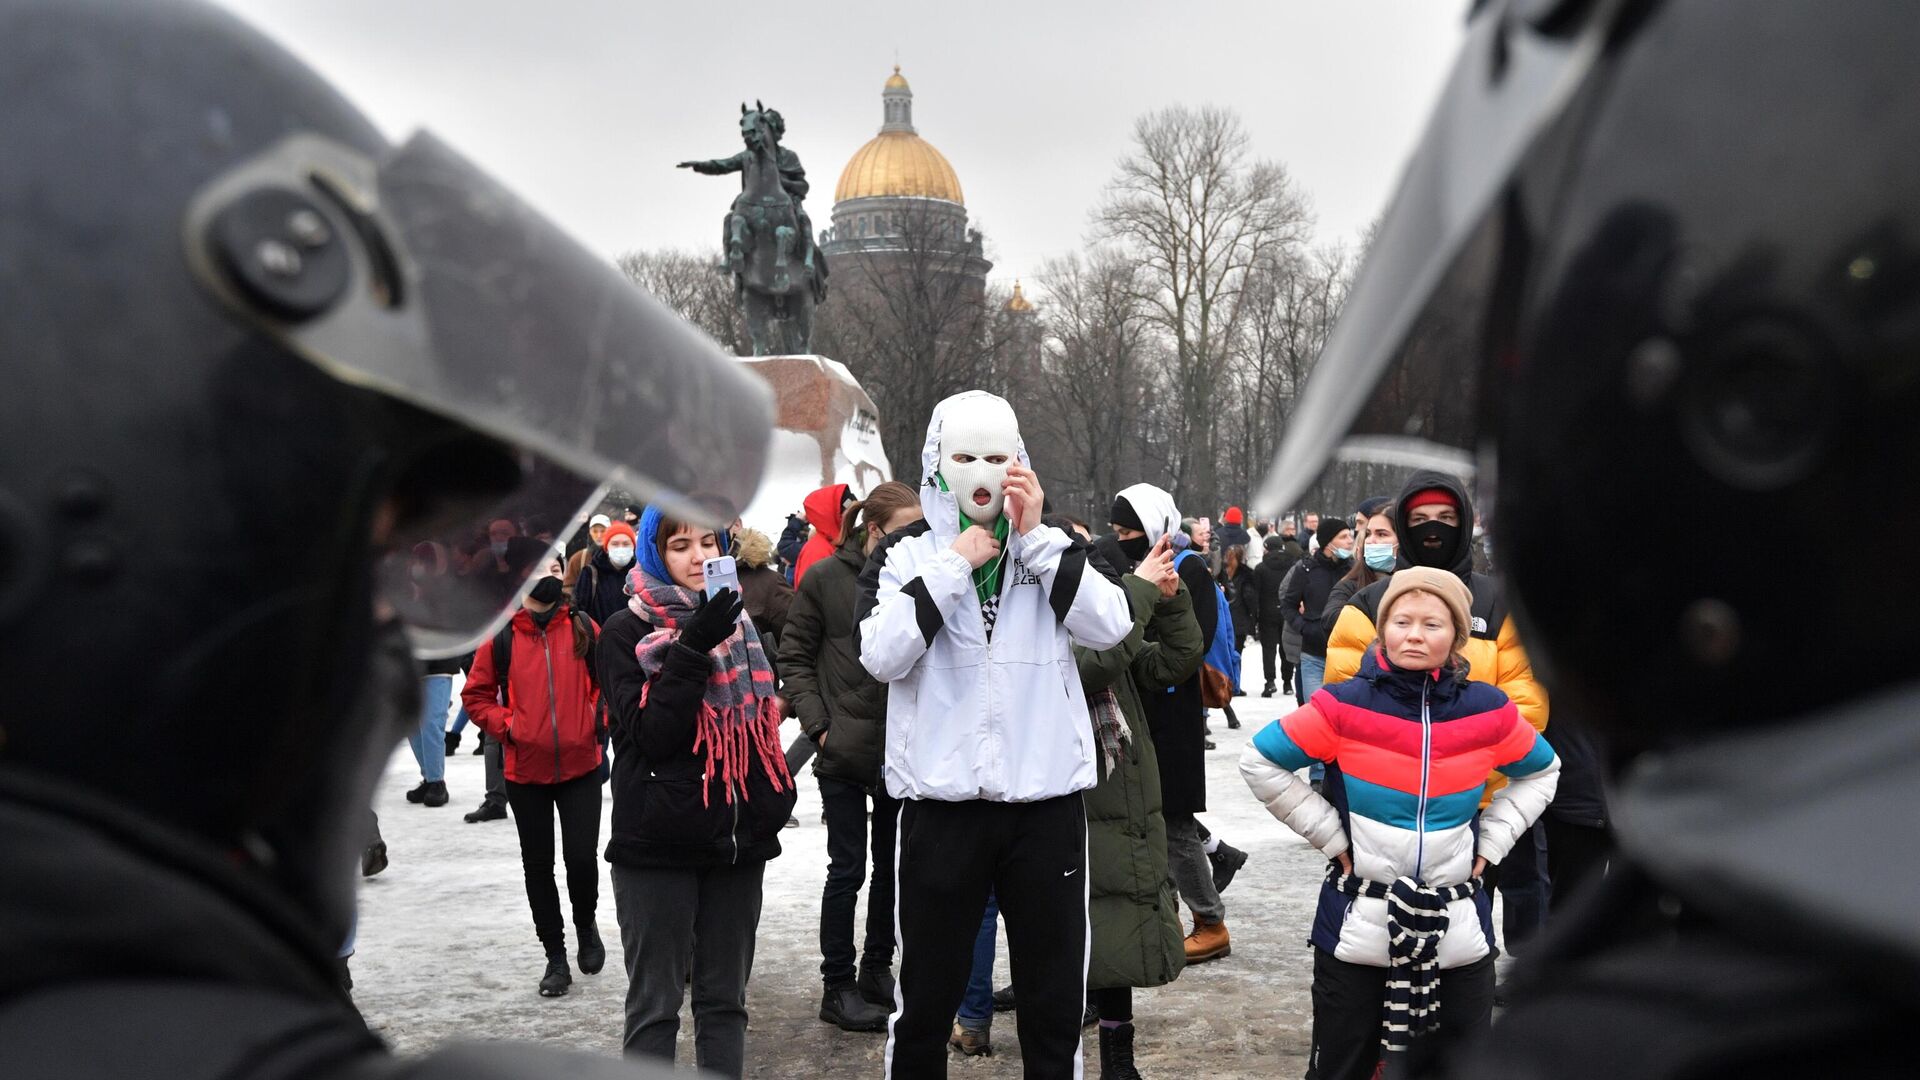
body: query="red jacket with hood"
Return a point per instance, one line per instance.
(549, 728)
(823, 509)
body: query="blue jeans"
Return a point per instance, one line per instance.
(459, 719)
(1312, 676)
(429, 738)
(976, 1008)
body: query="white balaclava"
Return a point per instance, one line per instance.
(983, 431)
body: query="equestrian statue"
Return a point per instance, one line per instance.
(778, 272)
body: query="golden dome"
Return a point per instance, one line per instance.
(1019, 302)
(895, 164)
(898, 81)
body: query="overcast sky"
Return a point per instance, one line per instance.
(584, 106)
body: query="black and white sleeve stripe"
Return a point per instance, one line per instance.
(926, 613)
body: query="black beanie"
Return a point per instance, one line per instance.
(1124, 514)
(547, 590)
(1330, 528)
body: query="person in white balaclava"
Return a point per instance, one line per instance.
(970, 616)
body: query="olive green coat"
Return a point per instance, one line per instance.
(1137, 938)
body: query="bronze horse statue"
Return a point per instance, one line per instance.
(778, 273)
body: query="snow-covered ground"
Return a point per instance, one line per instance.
(446, 946)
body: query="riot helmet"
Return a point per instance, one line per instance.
(1653, 268)
(259, 360)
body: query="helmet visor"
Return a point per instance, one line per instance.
(460, 300)
(1399, 379)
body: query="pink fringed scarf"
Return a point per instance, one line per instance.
(740, 715)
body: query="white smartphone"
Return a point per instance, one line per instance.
(721, 573)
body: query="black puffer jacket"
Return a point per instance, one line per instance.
(660, 817)
(825, 684)
(1279, 558)
(1317, 577)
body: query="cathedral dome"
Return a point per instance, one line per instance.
(897, 162)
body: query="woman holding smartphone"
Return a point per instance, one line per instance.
(700, 794)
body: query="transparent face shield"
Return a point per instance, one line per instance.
(420, 278)
(1402, 377)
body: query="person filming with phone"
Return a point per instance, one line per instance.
(700, 793)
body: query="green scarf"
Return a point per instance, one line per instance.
(986, 578)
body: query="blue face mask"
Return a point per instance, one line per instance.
(1340, 554)
(1380, 556)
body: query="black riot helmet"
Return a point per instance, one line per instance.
(264, 375)
(1660, 262)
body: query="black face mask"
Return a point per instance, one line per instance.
(1136, 548)
(1442, 556)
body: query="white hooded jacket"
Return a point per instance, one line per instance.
(968, 716)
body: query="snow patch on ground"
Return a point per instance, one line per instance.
(446, 947)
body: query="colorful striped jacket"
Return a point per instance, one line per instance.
(1407, 755)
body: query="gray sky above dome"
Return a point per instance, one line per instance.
(584, 106)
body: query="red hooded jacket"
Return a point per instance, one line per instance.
(823, 509)
(548, 730)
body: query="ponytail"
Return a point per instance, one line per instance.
(849, 519)
(883, 502)
(583, 634)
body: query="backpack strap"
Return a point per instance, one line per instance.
(503, 659)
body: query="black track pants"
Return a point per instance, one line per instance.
(1033, 857)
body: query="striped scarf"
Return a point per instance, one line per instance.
(740, 714)
(1416, 921)
(1110, 727)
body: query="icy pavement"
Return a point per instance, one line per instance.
(446, 947)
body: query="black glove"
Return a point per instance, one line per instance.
(712, 620)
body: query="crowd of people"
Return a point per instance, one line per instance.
(263, 361)
(918, 635)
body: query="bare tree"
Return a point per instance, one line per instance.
(1094, 380)
(1198, 214)
(694, 284)
(911, 318)
(1288, 305)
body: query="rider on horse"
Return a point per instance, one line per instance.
(793, 180)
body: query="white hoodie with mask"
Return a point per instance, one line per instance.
(971, 714)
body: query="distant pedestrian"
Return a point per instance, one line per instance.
(534, 689)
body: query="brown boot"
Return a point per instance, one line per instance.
(1208, 942)
(972, 1043)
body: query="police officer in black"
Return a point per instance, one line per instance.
(277, 352)
(1665, 257)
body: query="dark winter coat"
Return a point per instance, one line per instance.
(1581, 798)
(766, 592)
(1227, 536)
(601, 588)
(549, 729)
(1243, 601)
(621, 678)
(1137, 937)
(1343, 590)
(666, 813)
(1176, 716)
(1304, 602)
(1267, 578)
(826, 686)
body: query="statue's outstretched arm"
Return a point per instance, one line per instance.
(717, 167)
